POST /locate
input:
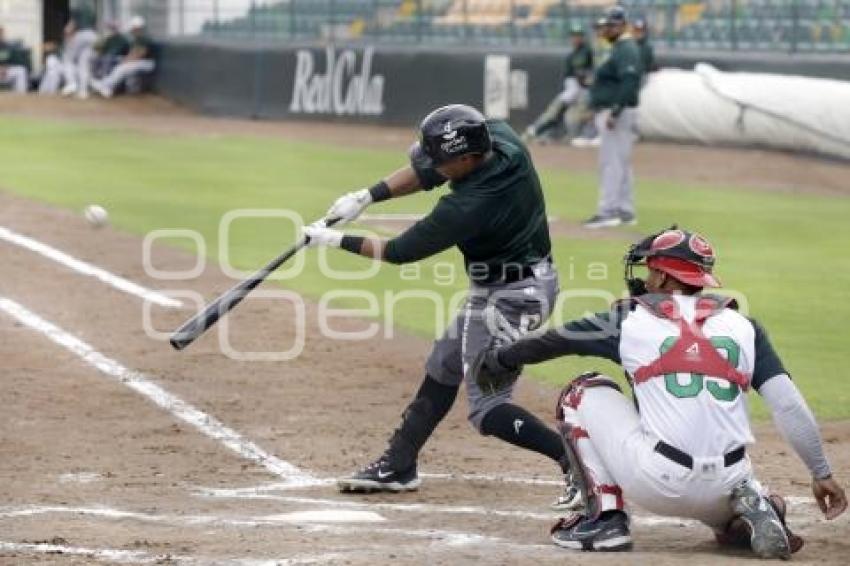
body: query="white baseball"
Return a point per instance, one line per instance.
(96, 215)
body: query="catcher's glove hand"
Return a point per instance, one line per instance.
(489, 373)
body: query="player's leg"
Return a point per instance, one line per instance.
(84, 70)
(17, 76)
(626, 142)
(523, 305)
(546, 121)
(119, 74)
(610, 177)
(70, 54)
(395, 470)
(52, 76)
(602, 432)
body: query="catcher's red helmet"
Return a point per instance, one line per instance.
(685, 256)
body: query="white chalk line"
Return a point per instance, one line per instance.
(295, 517)
(426, 508)
(278, 486)
(88, 269)
(203, 422)
(112, 555)
(434, 536)
(120, 556)
(643, 519)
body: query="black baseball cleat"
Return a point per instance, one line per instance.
(628, 219)
(379, 476)
(768, 535)
(738, 534)
(602, 221)
(607, 533)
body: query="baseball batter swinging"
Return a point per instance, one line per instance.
(495, 214)
(680, 448)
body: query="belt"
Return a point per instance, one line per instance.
(684, 459)
(510, 273)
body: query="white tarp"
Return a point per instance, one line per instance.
(780, 111)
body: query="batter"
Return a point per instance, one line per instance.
(496, 216)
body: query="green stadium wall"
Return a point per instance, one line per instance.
(398, 85)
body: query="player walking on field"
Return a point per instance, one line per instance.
(680, 448)
(496, 216)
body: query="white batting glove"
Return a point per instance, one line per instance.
(318, 235)
(499, 327)
(349, 206)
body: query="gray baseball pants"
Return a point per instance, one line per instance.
(524, 304)
(616, 180)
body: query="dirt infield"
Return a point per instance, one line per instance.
(94, 469)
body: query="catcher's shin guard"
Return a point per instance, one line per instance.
(569, 425)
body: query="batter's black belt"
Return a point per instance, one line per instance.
(509, 273)
(684, 459)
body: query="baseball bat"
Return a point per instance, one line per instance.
(201, 322)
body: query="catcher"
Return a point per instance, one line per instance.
(680, 448)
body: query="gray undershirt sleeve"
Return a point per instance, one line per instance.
(796, 422)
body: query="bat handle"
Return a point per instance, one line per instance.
(327, 222)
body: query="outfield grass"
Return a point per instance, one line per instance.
(785, 252)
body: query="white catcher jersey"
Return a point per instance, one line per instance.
(702, 415)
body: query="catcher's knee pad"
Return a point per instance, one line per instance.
(572, 394)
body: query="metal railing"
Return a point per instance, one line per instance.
(751, 25)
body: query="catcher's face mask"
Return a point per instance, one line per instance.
(685, 256)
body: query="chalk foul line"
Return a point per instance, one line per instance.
(138, 382)
(84, 268)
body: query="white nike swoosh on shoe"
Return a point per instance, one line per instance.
(384, 475)
(517, 425)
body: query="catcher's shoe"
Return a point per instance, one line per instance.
(768, 535)
(607, 533)
(379, 476)
(737, 533)
(570, 499)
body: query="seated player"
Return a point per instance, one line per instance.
(110, 50)
(680, 448)
(12, 70)
(140, 60)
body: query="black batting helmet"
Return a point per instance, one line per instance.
(449, 132)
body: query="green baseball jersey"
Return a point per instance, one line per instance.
(7, 54)
(647, 55)
(496, 216)
(617, 81)
(580, 64)
(115, 45)
(12, 55)
(143, 43)
(84, 17)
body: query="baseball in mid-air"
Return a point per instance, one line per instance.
(96, 215)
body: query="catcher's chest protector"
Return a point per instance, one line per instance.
(692, 352)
